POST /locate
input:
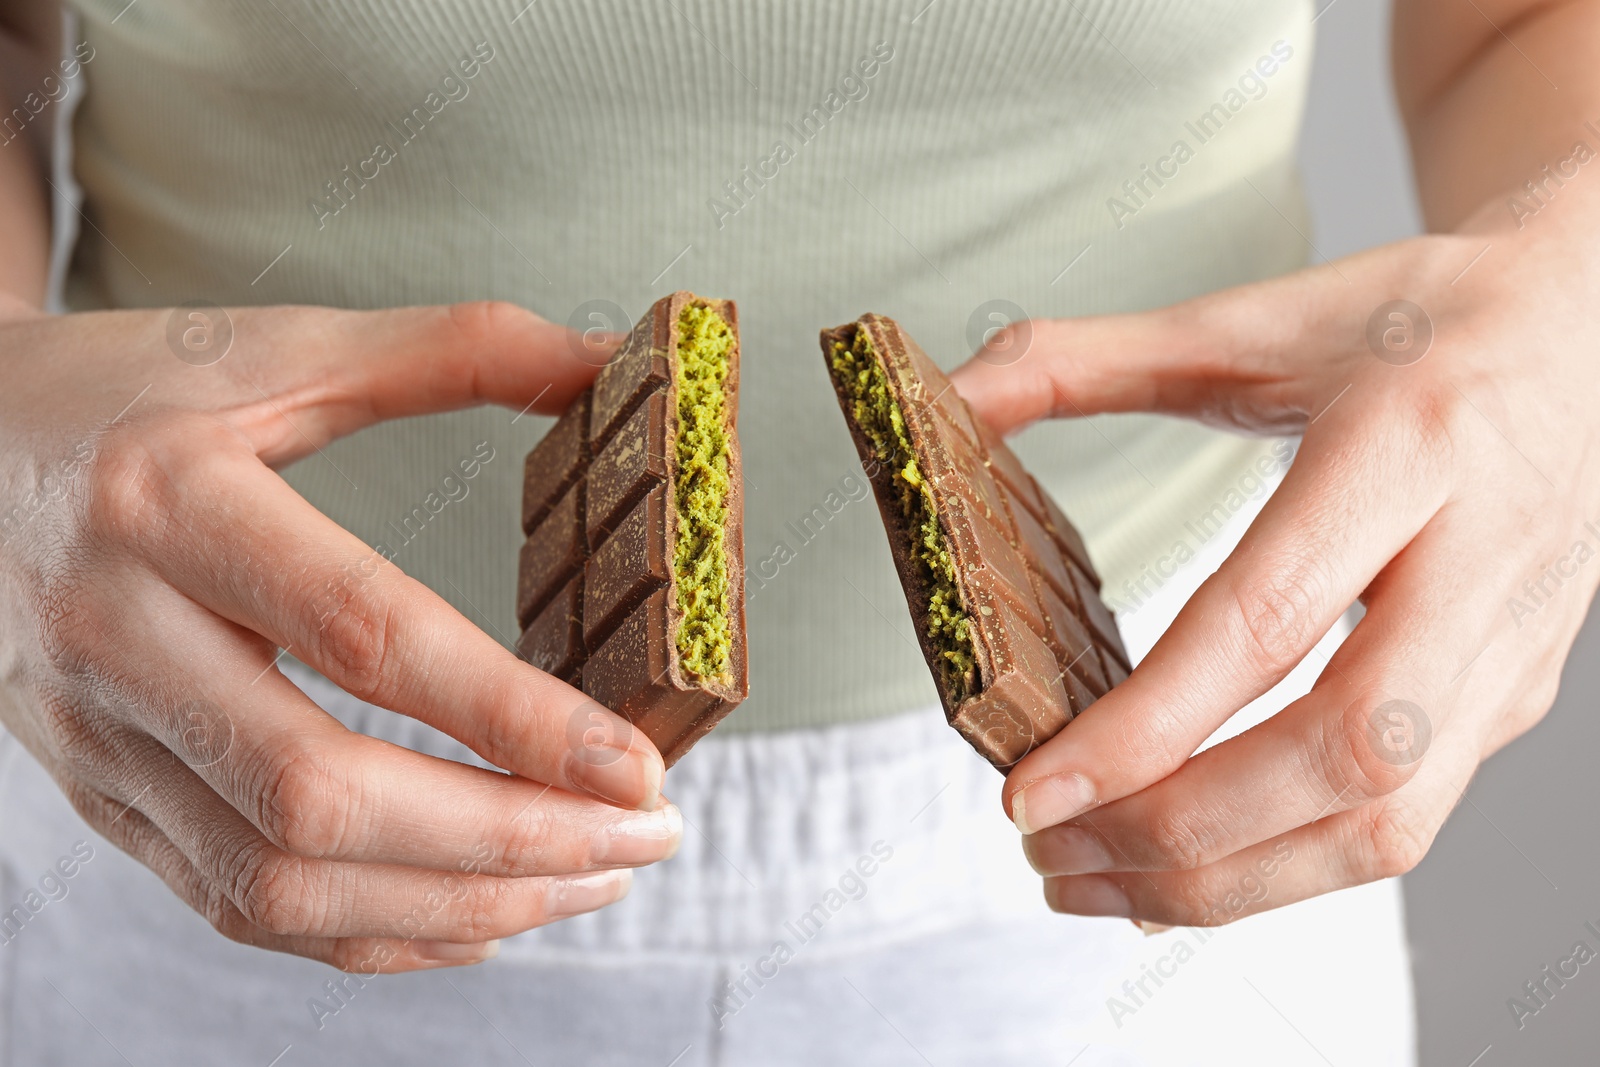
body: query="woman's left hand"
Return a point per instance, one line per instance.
(1447, 479)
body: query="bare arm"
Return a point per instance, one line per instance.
(29, 41)
(1491, 91)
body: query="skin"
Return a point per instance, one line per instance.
(154, 564)
(1431, 492)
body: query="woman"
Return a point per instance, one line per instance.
(846, 886)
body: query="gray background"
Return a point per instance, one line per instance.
(1511, 879)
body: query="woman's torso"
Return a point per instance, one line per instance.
(586, 156)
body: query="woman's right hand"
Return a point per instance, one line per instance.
(152, 564)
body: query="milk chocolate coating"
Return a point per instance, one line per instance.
(1045, 646)
(553, 641)
(596, 592)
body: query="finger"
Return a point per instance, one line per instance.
(1360, 735)
(1252, 357)
(319, 790)
(310, 375)
(134, 834)
(1383, 839)
(292, 896)
(235, 538)
(1296, 570)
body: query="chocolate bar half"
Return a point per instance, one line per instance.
(631, 582)
(1005, 600)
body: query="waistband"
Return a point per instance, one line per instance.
(849, 835)
(840, 837)
(843, 837)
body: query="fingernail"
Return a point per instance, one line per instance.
(640, 837)
(1066, 850)
(574, 896)
(454, 952)
(1051, 800)
(1089, 894)
(1151, 929)
(627, 776)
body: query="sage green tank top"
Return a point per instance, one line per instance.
(951, 163)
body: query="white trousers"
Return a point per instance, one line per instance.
(847, 895)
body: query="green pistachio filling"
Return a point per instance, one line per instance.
(861, 376)
(700, 494)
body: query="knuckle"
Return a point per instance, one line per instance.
(78, 615)
(271, 890)
(526, 843)
(363, 957)
(1522, 715)
(1537, 701)
(1358, 769)
(481, 322)
(306, 806)
(481, 919)
(73, 733)
(1196, 901)
(487, 905)
(1278, 613)
(125, 486)
(140, 473)
(353, 957)
(356, 634)
(213, 904)
(1177, 843)
(68, 627)
(1394, 840)
(1445, 423)
(516, 727)
(91, 805)
(506, 906)
(122, 485)
(459, 907)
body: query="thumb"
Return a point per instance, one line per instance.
(316, 374)
(1247, 358)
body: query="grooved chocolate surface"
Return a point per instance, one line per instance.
(627, 467)
(632, 563)
(553, 641)
(554, 463)
(558, 553)
(1045, 645)
(595, 590)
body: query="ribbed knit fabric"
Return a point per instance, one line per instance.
(579, 150)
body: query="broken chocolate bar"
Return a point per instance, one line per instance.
(1005, 601)
(631, 584)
